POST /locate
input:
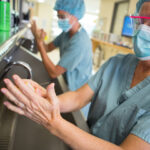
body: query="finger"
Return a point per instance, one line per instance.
(35, 119)
(32, 102)
(54, 100)
(33, 83)
(13, 108)
(36, 101)
(37, 87)
(51, 94)
(30, 86)
(12, 98)
(21, 112)
(32, 96)
(41, 115)
(39, 92)
(41, 33)
(16, 92)
(34, 23)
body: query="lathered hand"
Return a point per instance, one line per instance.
(39, 34)
(27, 102)
(36, 87)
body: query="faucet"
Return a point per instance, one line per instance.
(17, 63)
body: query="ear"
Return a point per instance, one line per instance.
(73, 20)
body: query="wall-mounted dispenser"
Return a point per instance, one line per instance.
(5, 15)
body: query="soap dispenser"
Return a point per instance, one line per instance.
(5, 15)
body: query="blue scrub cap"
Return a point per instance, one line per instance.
(139, 4)
(73, 7)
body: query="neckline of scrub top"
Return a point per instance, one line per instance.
(75, 33)
(79, 28)
(131, 91)
(130, 75)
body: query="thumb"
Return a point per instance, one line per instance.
(43, 33)
(51, 93)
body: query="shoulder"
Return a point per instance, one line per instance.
(81, 36)
(118, 62)
(122, 59)
(80, 42)
(82, 33)
(142, 128)
(58, 37)
(61, 34)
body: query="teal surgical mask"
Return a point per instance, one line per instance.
(142, 42)
(64, 24)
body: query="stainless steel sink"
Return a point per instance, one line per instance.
(20, 133)
(31, 136)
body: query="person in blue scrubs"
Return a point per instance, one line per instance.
(74, 44)
(119, 117)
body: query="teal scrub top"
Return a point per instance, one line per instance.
(75, 57)
(118, 110)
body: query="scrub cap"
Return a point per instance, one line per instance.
(73, 7)
(139, 4)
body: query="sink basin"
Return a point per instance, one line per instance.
(18, 132)
(29, 45)
(31, 136)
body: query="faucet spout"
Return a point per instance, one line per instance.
(17, 63)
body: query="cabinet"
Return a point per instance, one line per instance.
(108, 50)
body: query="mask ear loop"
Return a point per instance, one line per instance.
(73, 21)
(134, 24)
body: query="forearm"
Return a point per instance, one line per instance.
(39, 42)
(48, 47)
(50, 67)
(69, 102)
(78, 139)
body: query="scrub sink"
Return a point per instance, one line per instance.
(18, 132)
(31, 136)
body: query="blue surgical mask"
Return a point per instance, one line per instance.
(64, 24)
(142, 43)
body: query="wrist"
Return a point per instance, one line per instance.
(40, 45)
(39, 42)
(54, 126)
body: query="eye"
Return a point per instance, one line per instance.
(61, 16)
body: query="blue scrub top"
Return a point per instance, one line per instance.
(118, 110)
(75, 57)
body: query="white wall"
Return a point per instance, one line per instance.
(92, 6)
(45, 13)
(107, 8)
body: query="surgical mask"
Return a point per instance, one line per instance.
(141, 43)
(64, 24)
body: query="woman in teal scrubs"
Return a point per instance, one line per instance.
(119, 117)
